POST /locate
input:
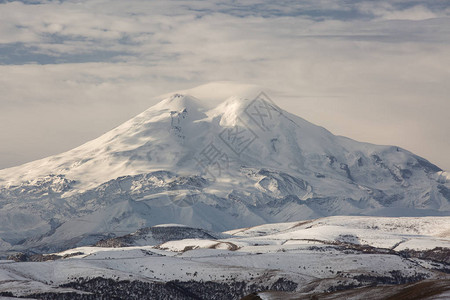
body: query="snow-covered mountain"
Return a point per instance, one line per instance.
(189, 160)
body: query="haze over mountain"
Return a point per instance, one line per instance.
(187, 160)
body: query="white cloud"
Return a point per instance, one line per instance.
(381, 65)
(415, 13)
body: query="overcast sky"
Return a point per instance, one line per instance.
(375, 71)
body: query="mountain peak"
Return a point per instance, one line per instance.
(178, 102)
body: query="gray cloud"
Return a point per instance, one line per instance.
(374, 71)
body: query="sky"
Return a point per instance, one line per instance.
(375, 71)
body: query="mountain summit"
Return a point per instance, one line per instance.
(186, 160)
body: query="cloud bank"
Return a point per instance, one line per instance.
(375, 71)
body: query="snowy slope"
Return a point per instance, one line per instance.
(239, 163)
(302, 257)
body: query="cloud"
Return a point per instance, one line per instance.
(89, 65)
(401, 10)
(415, 13)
